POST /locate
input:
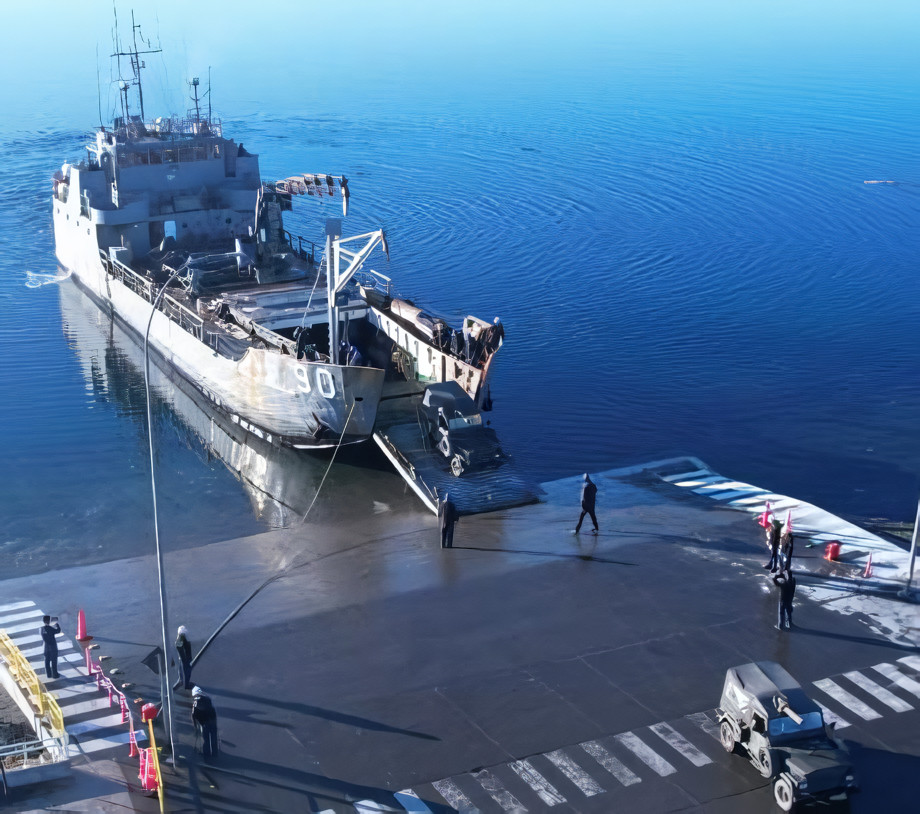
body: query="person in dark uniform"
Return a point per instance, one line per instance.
(447, 516)
(774, 532)
(204, 716)
(184, 649)
(588, 499)
(787, 542)
(786, 584)
(48, 632)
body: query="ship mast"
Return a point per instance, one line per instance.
(136, 64)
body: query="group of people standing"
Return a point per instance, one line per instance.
(204, 716)
(780, 542)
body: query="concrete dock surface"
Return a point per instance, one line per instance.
(360, 667)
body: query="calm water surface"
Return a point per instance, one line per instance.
(686, 260)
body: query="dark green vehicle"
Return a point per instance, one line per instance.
(766, 713)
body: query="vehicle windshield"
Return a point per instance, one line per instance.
(785, 728)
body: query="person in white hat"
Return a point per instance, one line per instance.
(184, 649)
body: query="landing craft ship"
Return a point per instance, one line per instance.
(168, 225)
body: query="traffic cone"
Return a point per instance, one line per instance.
(789, 522)
(765, 517)
(868, 572)
(81, 627)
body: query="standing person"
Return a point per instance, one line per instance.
(588, 499)
(48, 632)
(184, 649)
(786, 584)
(447, 516)
(774, 531)
(786, 545)
(204, 716)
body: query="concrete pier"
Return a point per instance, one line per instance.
(363, 668)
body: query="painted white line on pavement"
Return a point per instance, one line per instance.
(686, 475)
(645, 753)
(851, 702)
(912, 661)
(832, 717)
(589, 787)
(455, 798)
(547, 792)
(11, 606)
(704, 722)
(674, 739)
(498, 792)
(896, 677)
(889, 699)
(610, 763)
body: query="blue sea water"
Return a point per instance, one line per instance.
(698, 245)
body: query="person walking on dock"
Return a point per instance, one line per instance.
(447, 516)
(785, 581)
(774, 532)
(184, 649)
(204, 716)
(588, 500)
(787, 542)
(48, 632)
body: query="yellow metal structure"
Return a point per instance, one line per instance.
(25, 676)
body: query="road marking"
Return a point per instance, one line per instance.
(645, 753)
(610, 763)
(575, 773)
(455, 798)
(686, 475)
(832, 717)
(674, 739)
(11, 606)
(370, 806)
(895, 676)
(851, 702)
(32, 615)
(889, 699)
(548, 794)
(912, 661)
(498, 792)
(704, 722)
(410, 801)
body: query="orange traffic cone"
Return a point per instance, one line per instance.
(81, 627)
(868, 572)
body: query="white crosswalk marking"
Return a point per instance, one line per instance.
(610, 763)
(832, 717)
(547, 793)
(850, 701)
(889, 699)
(455, 798)
(498, 792)
(646, 754)
(896, 677)
(686, 475)
(911, 661)
(575, 773)
(15, 606)
(674, 739)
(410, 801)
(704, 722)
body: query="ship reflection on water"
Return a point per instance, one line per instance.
(282, 484)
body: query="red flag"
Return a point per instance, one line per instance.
(766, 516)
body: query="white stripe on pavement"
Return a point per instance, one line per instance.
(851, 702)
(832, 717)
(12, 606)
(912, 661)
(704, 722)
(84, 727)
(686, 475)
(645, 753)
(889, 699)
(21, 616)
(896, 677)
(674, 739)
(455, 798)
(498, 792)
(546, 791)
(610, 763)
(575, 773)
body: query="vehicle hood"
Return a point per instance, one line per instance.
(824, 768)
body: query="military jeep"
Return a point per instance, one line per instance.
(765, 714)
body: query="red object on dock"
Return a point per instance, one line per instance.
(868, 571)
(832, 551)
(81, 627)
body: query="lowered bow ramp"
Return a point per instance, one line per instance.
(399, 434)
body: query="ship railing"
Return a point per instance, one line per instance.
(374, 279)
(310, 256)
(185, 318)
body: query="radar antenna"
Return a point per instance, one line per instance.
(134, 57)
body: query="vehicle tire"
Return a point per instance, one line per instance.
(783, 793)
(727, 737)
(456, 466)
(765, 762)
